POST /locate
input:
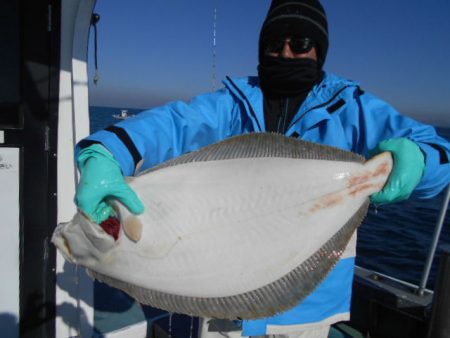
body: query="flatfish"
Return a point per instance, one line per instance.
(244, 228)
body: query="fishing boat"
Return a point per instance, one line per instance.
(43, 113)
(124, 114)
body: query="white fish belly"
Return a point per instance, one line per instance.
(221, 228)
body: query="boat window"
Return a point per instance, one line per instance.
(10, 61)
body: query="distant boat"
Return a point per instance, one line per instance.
(124, 114)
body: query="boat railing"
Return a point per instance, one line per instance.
(439, 326)
(382, 304)
(434, 242)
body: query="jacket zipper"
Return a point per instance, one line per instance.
(252, 111)
(283, 116)
(319, 105)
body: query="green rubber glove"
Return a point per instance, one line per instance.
(102, 179)
(409, 165)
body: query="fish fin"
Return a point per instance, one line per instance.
(257, 145)
(132, 227)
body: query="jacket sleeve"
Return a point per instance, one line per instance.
(380, 121)
(159, 134)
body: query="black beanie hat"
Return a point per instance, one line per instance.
(304, 18)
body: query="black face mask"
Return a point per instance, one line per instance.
(281, 77)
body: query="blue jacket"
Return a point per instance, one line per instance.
(336, 112)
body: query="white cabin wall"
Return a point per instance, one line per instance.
(9, 250)
(74, 291)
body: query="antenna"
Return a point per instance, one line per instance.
(214, 51)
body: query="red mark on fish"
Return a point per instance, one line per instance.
(111, 226)
(327, 201)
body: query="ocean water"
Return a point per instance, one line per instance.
(393, 239)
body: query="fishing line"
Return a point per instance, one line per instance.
(214, 82)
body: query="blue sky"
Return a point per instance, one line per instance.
(154, 51)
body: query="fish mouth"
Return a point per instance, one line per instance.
(66, 246)
(62, 243)
(81, 241)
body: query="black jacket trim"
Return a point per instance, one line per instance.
(126, 140)
(443, 156)
(335, 106)
(86, 143)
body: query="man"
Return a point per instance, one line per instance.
(292, 96)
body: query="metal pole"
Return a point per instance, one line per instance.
(439, 326)
(434, 243)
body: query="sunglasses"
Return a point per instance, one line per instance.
(297, 45)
